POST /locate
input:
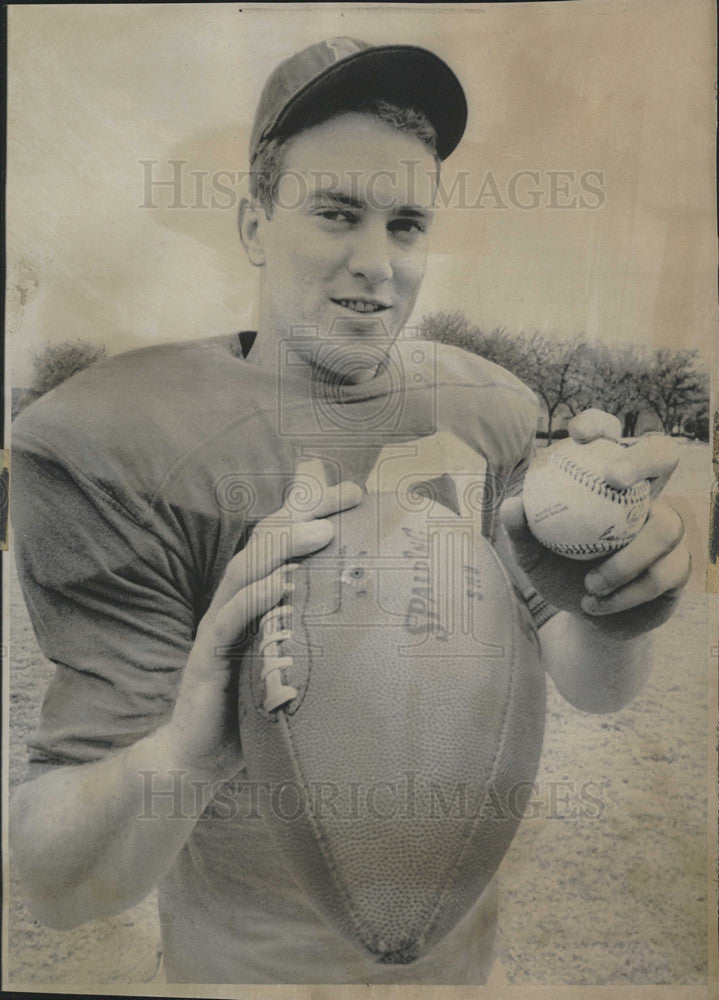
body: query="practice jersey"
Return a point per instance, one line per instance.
(133, 486)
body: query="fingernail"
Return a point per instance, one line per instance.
(595, 583)
(590, 605)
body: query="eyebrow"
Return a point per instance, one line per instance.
(340, 200)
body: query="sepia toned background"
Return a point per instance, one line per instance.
(624, 90)
(569, 99)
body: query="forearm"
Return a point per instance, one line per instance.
(93, 839)
(594, 670)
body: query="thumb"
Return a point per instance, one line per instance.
(527, 550)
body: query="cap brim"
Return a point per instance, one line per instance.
(401, 74)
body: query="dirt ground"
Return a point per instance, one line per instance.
(606, 881)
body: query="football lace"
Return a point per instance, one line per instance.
(275, 629)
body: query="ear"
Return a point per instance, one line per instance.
(249, 219)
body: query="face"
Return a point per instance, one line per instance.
(344, 250)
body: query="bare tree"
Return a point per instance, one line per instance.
(56, 363)
(576, 374)
(676, 387)
(451, 328)
(506, 350)
(611, 380)
(454, 328)
(551, 368)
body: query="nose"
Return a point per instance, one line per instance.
(370, 254)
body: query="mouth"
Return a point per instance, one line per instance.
(361, 305)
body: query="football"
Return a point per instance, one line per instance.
(395, 706)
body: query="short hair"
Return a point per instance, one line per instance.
(268, 156)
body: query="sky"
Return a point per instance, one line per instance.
(606, 103)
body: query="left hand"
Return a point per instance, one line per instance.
(635, 589)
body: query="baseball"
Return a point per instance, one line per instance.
(572, 510)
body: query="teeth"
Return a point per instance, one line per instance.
(358, 306)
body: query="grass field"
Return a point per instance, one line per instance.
(606, 881)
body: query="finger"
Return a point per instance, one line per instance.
(306, 499)
(661, 533)
(526, 548)
(309, 495)
(271, 544)
(304, 494)
(282, 536)
(654, 458)
(592, 424)
(311, 467)
(664, 578)
(232, 620)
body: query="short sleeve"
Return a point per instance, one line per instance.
(111, 605)
(515, 480)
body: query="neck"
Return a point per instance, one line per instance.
(267, 352)
(264, 352)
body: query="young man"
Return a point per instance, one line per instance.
(152, 524)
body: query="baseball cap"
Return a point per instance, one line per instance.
(335, 75)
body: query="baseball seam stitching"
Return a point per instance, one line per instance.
(595, 484)
(589, 549)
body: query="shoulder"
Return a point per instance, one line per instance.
(445, 365)
(478, 401)
(119, 382)
(466, 387)
(131, 416)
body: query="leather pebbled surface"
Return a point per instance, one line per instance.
(400, 771)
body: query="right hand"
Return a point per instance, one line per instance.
(204, 728)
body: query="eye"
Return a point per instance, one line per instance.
(407, 227)
(336, 215)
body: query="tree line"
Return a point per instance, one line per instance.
(54, 364)
(567, 375)
(571, 375)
